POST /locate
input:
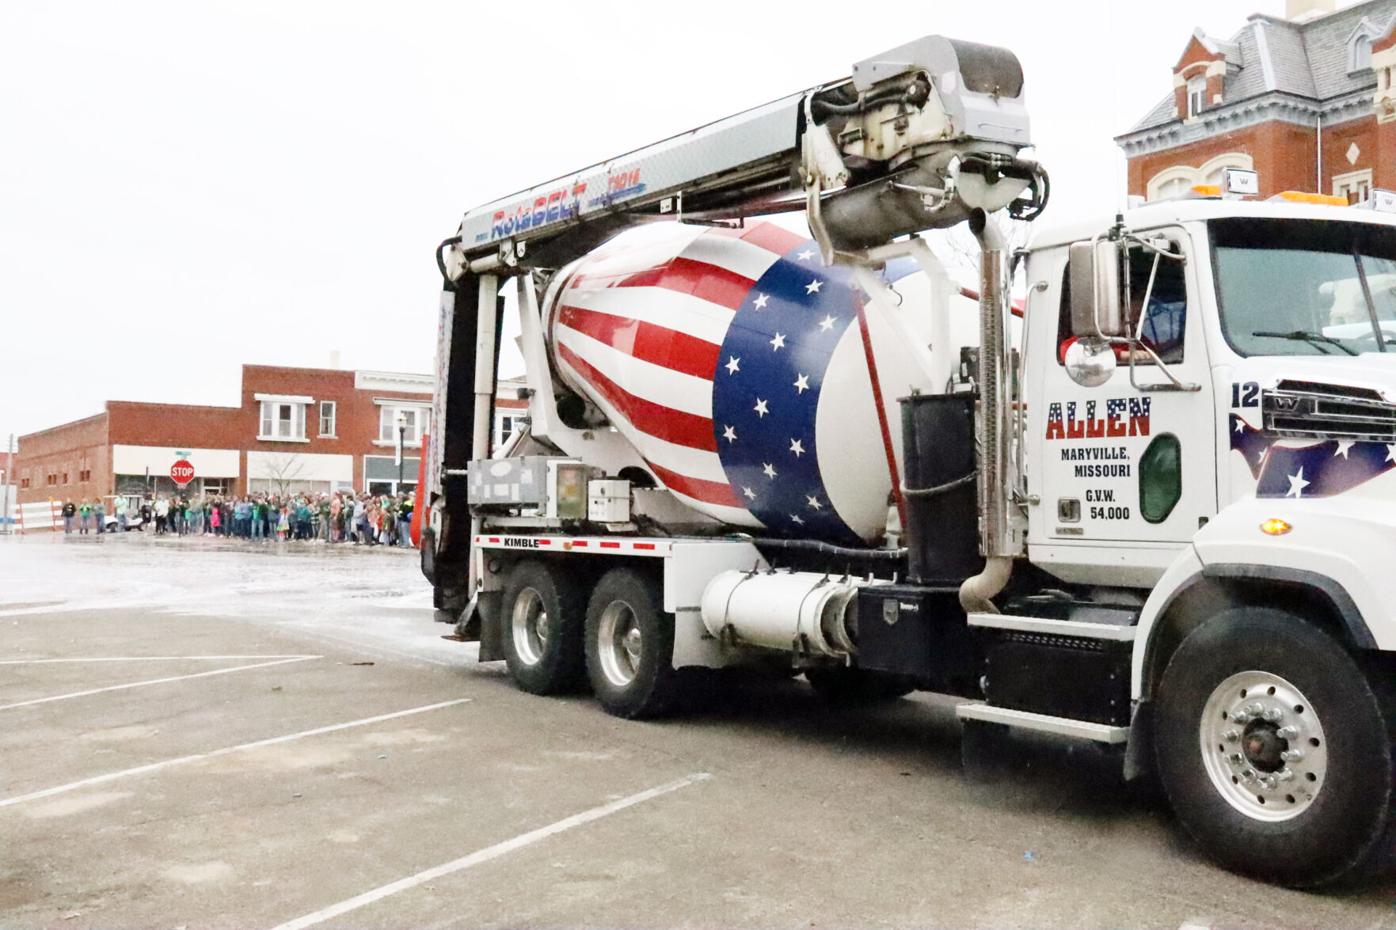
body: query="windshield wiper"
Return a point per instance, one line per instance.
(1367, 296)
(1300, 335)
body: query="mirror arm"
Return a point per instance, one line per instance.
(1173, 383)
(1145, 243)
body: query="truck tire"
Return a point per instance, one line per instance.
(543, 617)
(1246, 691)
(842, 685)
(630, 646)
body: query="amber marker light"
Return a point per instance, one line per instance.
(1275, 527)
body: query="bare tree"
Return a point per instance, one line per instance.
(958, 250)
(281, 470)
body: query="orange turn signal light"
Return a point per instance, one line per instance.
(1275, 527)
(1306, 197)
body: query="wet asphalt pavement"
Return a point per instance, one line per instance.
(196, 733)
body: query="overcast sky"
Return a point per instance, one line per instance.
(186, 187)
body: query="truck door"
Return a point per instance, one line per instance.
(1125, 462)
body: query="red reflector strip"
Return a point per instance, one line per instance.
(568, 542)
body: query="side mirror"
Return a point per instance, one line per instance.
(1090, 361)
(1095, 290)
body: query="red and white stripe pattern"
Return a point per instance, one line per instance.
(637, 327)
(586, 545)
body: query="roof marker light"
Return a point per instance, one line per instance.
(1306, 197)
(1275, 527)
(1240, 182)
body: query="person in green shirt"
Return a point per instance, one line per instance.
(404, 522)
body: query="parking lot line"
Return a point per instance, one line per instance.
(149, 659)
(489, 852)
(153, 681)
(199, 757)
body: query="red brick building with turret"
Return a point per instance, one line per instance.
(1306, 100)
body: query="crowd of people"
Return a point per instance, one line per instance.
(361, 519)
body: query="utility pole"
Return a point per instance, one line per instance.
(9, 479)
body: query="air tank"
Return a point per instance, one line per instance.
(740, 368)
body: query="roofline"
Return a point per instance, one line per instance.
(160, 403)
(51, 429)
(1325, 107)
(340, 371)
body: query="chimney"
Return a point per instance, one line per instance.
(334, 358)
(1303, 10)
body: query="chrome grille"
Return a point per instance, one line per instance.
(1324, 411)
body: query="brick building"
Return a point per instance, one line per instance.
(294, 429)
(1305, 100)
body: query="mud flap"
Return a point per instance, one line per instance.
(1139, 751)
(481, 622)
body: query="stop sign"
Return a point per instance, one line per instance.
(182, 472)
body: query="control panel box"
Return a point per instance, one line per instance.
(608, 500)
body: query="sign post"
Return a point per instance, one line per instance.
(182, 472)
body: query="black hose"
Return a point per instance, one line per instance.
(823, 108)
(823, 548)
(446, 281)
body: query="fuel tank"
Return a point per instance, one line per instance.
(743, 371)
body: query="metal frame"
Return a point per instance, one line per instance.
(1044, 723)
(1079, 629)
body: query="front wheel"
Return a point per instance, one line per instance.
(630, 646)
(1274, 749)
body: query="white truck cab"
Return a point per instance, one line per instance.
(1209, 430)
(1252, 423)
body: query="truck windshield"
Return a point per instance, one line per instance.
(1305, 287)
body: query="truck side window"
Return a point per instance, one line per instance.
(1165, 318)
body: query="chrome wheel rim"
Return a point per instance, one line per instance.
(530, 626)
(1263, 746)
(620, 645)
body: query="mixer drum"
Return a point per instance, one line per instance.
(732, 360)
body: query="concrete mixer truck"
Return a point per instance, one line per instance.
(1150, 506)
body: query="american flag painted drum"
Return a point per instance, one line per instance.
(732, 360)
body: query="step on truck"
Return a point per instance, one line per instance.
(1151, 505)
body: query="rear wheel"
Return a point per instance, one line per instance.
(1274, 749)
(630, 646)
(543, 618)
